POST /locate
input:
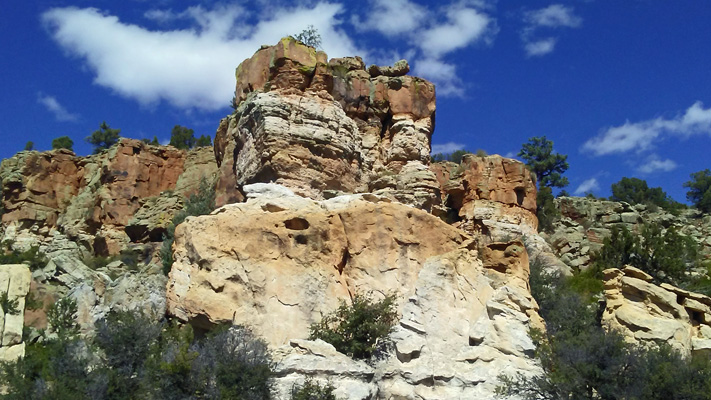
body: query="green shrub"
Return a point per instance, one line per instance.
(60, 317)
(63, 142)
(103, 138)
(32, 257)
(9, 306)
(666, 255)
(700, 190)
(580, 360)
(546, 211)
(311, 390)
(355, 329)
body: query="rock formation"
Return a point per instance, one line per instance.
(585, 223)
(95, 198)
(14, 286)
(649, 314)
(279, 262)
(324, 127)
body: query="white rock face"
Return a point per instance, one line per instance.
(646, 313)
(15, 282)
(278, 264)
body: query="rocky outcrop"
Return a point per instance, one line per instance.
(95, 198)
(280, 262)
(649, 314)
(489, 195)
(14, 286)
(326, 127)
(585, 222)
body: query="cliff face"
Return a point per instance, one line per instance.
(324, 127)
(280, 262)
(95, 198)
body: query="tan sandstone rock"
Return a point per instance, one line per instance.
(326, 128)
(15, 283)
(279, 262)
(646, 313)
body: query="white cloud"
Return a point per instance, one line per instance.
(540, 47)
(446, 148)
(587, 186)
(654, 164)
(464, 27)
(443, 74)
(190, 68)
(392, 17)
(53, 106)
(553, 16)
(641, 136)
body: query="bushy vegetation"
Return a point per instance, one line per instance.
(354, 329)
(29, 146)
(133, 356)
(184, 138)
(580, 360)
(309, 37)
(202, 202)
(103, 138)
(32, 257)
(548, 168)
(666, 255)
(699, 193)
(63, 142)
(311, 390)
(636, 191)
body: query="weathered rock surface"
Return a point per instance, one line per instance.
(96, 197)
(324, 128)
(649, 314)
(15, 284)
(279, 263)
(585, 223)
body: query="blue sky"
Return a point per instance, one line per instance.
(622, 87)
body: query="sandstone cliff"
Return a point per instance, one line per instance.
(279, 262)
(322, 127)
(649, 314)
(95, 198)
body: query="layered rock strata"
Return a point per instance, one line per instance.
(14, 284)
(649, 314)
(324, 127)
(94, 199)
(280, 262)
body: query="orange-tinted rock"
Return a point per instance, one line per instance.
(322, 128)
(492, 195)
(97, 195)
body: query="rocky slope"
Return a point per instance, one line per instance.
(585, 222)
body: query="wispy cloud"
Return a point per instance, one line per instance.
(189, 68)
(642, 136)
(654, 164)
(446, 148)
(552, 17)
(59, 111)
(392, 17)
(587, 186)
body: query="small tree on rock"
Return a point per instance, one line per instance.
(700, 190)
(547, 165)
(182, 138)
(309, 37)
(63, 142)
(103, 138)
(203, 141)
